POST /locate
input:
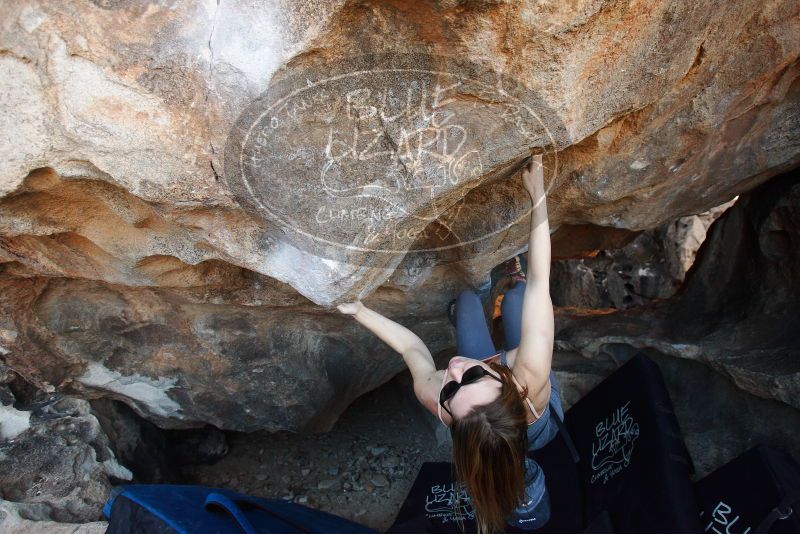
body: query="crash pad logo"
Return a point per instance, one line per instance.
(386, 153)
(441, 500)
(723, 521)
(613, 444)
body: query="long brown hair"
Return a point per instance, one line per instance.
(489, 446)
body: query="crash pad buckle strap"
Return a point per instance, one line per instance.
(232, 507)
(573, 450)
(565, 433)
(221, 501)
(576, 458)
(781, 512)
(562, 428)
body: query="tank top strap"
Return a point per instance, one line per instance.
(504, 358)
(537, 415)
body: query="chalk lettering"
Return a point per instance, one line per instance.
(613, 445)
(441, 500)
(722, 522)
(380, 149)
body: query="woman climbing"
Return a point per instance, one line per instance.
(496, 410)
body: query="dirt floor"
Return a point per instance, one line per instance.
(362, 470)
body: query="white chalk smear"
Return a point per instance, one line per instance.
(148, 391)
(115, 469)
(13, 422)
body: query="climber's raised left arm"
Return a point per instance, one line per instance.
(534, 357)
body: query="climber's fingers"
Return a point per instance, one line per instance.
(350, 308)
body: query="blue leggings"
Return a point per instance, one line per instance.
(472, 335)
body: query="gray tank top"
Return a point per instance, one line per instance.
(541, 431)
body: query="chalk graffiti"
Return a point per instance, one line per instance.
(378, 153)
(722, 522)
(441, 500)
(434, 155)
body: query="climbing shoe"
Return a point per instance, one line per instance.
(514, 269)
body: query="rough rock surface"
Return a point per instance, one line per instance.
(650, 267)
(152, 454)
(144, 97)
(60, 467)
(33, 518)
(737, 310)
(182, 363)
(137, 264)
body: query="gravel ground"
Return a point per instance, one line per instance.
(362, 470)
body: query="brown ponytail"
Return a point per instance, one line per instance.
(489, 446)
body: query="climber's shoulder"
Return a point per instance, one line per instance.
(426, 389)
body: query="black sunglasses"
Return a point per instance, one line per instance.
(473, 374)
